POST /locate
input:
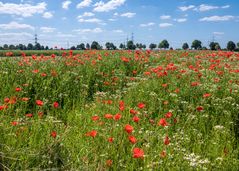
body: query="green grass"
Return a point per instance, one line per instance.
(94, 83)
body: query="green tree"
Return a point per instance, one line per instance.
(108, 45)
(21, 46)
(73, 48)
(163, 44)
(122, 46)
(12, 47)
(214, 46)
(196, 44)
(95, 45)
(185, 46)
(218, 47)
(5, 46)
(238, 45)
(87, 46)
(231, 46)
(37, 46)
(139, 45)
(82, 46)
(46, 48)
(30, 46)
(130, 45)
(152, 46)
(144, 46)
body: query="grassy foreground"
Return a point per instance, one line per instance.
(120, 110)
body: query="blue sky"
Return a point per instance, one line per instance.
(57, 22)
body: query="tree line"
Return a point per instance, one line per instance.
(164, 44)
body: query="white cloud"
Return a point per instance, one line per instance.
(84, 3)
(218, 33)
(165, 17)
(86, 14)
(217, 18)
(118, 31)
(128, 14)
(225, 6)
(47, 15)
(11, 35)
(204, 7)
(82, 31)
(147, 25)
(181, 20)
(47, 29)
(65, 4)
(186, 8)
(110, 5)
(112, 19)
(24, 10)
(90, 20)
(163, 25)
(14, 25)
(63, 35)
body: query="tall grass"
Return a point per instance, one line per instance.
(183, 107)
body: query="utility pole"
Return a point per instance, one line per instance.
(132, 37)
(68, 45)
(213, 38)
(36, 39)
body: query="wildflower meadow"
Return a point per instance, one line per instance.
(120, 110)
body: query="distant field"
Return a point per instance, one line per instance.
(4, 53)
(119, 110)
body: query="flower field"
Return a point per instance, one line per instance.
(120, 110)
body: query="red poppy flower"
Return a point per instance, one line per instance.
(6, 100)
(121, 106)
(25, 99)
(35, 71)
(129, 129)
(141, 105)
(117, 116)
(53, 134)
(111, 139)
(55, 104)
(135, 119)
(43, 74)
(95, 118)
(29, 115)
(199, 108)
(206, 95)
(18, 89)
(109, 162)
(92, 133)
(132, 139)
(39, 103)
(168, 115)
(194, 84)
(138, 153)
(163, 122)
(3, 107)
(108, 116)
(40, 114)
(133, 112)
(166, 140)
(14, 123)
(163, 154)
